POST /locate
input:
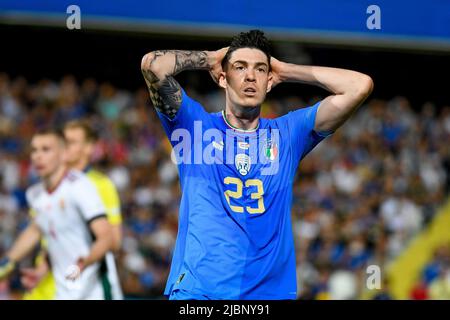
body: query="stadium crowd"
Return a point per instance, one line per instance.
(359, 197)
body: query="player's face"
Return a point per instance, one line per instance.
(78, 148)
(247, 78)
(47, 154)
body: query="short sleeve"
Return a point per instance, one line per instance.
(301, 130)
(189, 111)
(88, 200)
(112, 203)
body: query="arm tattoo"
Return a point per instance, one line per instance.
(165, 93)
(185, 60)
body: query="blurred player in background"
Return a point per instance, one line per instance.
(81, 138)
(235, 235)
(70, 216)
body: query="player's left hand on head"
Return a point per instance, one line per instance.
(275, 68)
(6, 267)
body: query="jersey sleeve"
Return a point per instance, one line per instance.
(111, 202)
(88, 200)
(303, 137)
(189, 111)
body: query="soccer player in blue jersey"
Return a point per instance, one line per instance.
(237, 169)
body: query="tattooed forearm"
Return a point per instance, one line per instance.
(158, 69)
(185, 60)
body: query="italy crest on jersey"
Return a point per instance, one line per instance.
(271, 150)
(242, 163)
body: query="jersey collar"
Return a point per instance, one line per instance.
(238, 129)
(51, 190)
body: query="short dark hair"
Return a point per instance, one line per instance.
(55, 131)
(89, 132)
(254, 39)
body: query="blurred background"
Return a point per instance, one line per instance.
(373, 194)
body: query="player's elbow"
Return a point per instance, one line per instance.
(145, 62)
(152, 69)
(108, 240)
(116, 247)
(148, 63)
(117, 239)
(365, 86)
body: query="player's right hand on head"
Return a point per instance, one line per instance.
(215, 63)
(6, 267)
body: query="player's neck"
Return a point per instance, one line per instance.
(243, 118)
(52, 181)
(80, 165)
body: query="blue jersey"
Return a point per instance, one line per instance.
(235, 236)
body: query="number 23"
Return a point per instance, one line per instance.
(238, 194)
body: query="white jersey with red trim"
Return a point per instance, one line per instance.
(63, 215)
